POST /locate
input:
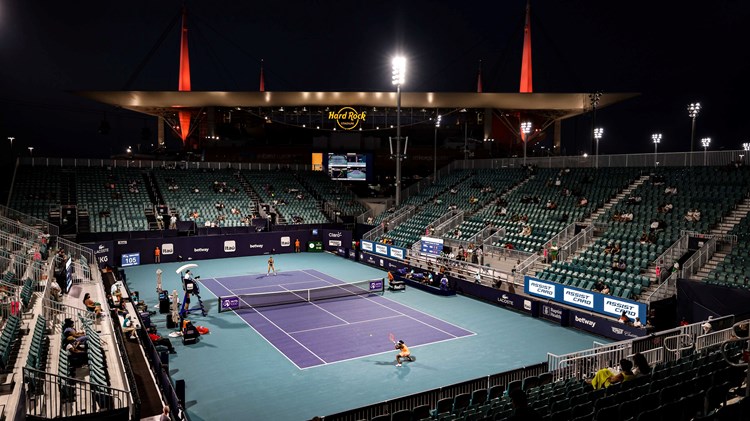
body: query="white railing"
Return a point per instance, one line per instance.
(584, 364)
(572, 245)
(698, 259)
(443, 225)
(670, 282)
(713, 339)
(664, 159)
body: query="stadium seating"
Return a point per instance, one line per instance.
(115, 198)
(289, 198)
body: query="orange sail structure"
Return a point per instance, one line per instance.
(526, 85)
(184, 82)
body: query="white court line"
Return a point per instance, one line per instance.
(266, 339)
(345, 324)
(406, 315)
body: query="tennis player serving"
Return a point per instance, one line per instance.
(405, 354)
(271, 267)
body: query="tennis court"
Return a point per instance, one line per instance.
(236, 373)
(315, 319)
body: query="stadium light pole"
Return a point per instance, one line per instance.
(525, 130)
(693, 110)
(656, 138)
(598, 132)
(746, 147)
(434, 158)
(399, 75)
(705, 142)
(594, 98)
(11, 139)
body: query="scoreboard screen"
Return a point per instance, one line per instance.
(431, 246)
(131, 259)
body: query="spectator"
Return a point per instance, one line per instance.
(605, 290)
(165, 414)
(76, 355)
(624, 318)
(92, 306)
(521, 409)
(637, 322)
(707, 328)
(160, 341)
(173, 222)
(69, 331)
(606, 377)
(55, 292)
(599, 286)
(641, 365)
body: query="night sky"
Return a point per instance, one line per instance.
(673, 53)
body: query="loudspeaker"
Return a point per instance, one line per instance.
(179, 388)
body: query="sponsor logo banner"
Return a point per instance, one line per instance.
(286, 241)
(604, 327)
(256, 246)
(551, 313)
(579, 298)
(397, 253)
(229, 303)
(230, 246)
(616, 307)
(583, 320)
(589, 300)
(376, 285)
(337, 234)
(334, 243)
(200, 250)
(381, 249)
(366, 245)
(167, 249)
(541, 289)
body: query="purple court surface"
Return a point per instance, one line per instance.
(315, 333)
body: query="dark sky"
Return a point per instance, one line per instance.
(673, 53)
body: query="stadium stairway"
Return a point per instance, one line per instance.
(724, 228)
(152, 187)
(622, 195)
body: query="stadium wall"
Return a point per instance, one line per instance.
(562, 315)
(697, 301)
(178, 249)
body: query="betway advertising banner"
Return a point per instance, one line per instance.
(178, 249)
(581, 298)
(604, 327)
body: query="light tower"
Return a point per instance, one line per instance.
(705, 142)
(434, 158)
(399, 77)
(525, 130)
(693, 110)
(656, 138)
(598, 132)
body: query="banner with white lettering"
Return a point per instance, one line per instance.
(588, 300)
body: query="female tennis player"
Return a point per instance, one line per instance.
(405, 354)
(270, 266)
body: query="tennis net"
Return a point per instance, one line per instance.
(275, 298)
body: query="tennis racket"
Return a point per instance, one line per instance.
(392, 338)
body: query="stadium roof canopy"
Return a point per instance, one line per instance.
(550, 105)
